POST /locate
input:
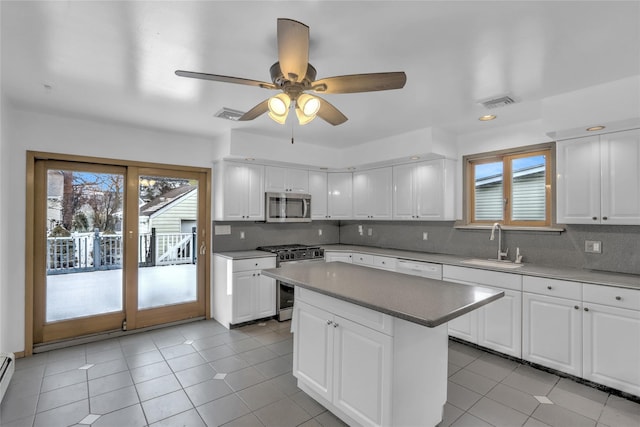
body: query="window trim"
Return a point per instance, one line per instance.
(513, 153)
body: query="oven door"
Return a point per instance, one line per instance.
(284, 297)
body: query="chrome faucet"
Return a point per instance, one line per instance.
(501, 255)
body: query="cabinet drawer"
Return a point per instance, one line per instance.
(384, 262)
(254, 264)
(365, 316)
(363, 259)
(552, 287)
(476, 276)
(609, 295)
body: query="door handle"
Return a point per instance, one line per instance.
(203, 249)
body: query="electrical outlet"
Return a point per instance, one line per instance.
(425, 235)
(593, 246)
(320, 232)
(370, 232)
(242, 234)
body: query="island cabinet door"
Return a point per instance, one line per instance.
(243, 296)
(362, 373)
(313, 348)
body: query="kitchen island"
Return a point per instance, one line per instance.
(372, 345)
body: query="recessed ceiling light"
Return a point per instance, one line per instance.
(414, 157)
(595, 128)
(487, 117)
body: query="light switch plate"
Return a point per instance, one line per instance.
(593, 246)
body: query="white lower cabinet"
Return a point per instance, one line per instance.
(497, 325)
(611, 343)
(366, 367)
(240, 292)
(552, 334)
(346, 363)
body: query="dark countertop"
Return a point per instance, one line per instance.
(631, 281)
(235, 255)
(427, 302)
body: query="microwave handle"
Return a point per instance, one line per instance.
(305, 208)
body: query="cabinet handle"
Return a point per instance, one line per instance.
(595, 218)
(335, 325)
(586, 309)
(549, 287)
(604, 218)
(329, 322)
(254, 274)
(618, 298)
(258, 274)
(576, 307)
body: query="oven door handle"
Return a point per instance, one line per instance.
(305, 207)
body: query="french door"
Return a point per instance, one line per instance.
(116, 247)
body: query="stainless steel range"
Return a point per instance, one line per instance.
(293, 253)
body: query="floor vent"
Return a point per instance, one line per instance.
(7, 366)
(229, 114)
(498, 102)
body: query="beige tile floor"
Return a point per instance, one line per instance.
(201, 374)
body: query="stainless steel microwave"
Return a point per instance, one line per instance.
(287, 207)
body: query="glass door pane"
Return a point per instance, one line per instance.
(84, 244)
(168, 241)
(79, 269)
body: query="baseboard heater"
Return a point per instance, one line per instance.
(7, 366)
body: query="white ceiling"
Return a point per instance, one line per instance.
(116, 60)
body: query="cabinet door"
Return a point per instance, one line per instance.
(254, 191)
(297, 180)
(340, 202)
(620, 157)
(379, 193)
(362, 373)
(429, 190)
(578, 181)
(243, 296)
(235, 191)
(500, 324)
(611, 347)
(265, 296)
(338, 257)
(465, 327)
(403, 192)
(319, 194)
(313, 348)
(552, 332)
(361, 196)
(279, 179)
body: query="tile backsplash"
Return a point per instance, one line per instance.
(620, 244)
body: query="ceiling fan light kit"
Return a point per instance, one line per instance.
(293, 75)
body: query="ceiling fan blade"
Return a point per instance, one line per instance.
(225, 79)
(330, 114)
(293, 48)
(354, 83)
(256, 111)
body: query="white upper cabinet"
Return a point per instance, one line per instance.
(340, 195)
(319, 194)
(372, 193)
(239, 194)
(424, 190)
(598, 179)
(286, 180)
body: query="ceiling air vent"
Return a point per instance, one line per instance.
(229, 114)
(498, 102)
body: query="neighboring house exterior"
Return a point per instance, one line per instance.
(173, 212)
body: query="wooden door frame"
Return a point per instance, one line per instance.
(33, 156)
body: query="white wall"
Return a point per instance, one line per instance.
(50, 133)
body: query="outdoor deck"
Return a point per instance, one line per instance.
(94, 292)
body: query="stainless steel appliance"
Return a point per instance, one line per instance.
(287, 207)
(293, 253)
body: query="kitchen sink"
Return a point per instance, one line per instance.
(492, 263)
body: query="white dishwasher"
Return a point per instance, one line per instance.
(418, 268)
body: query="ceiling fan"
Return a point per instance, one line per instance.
(294, 76)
